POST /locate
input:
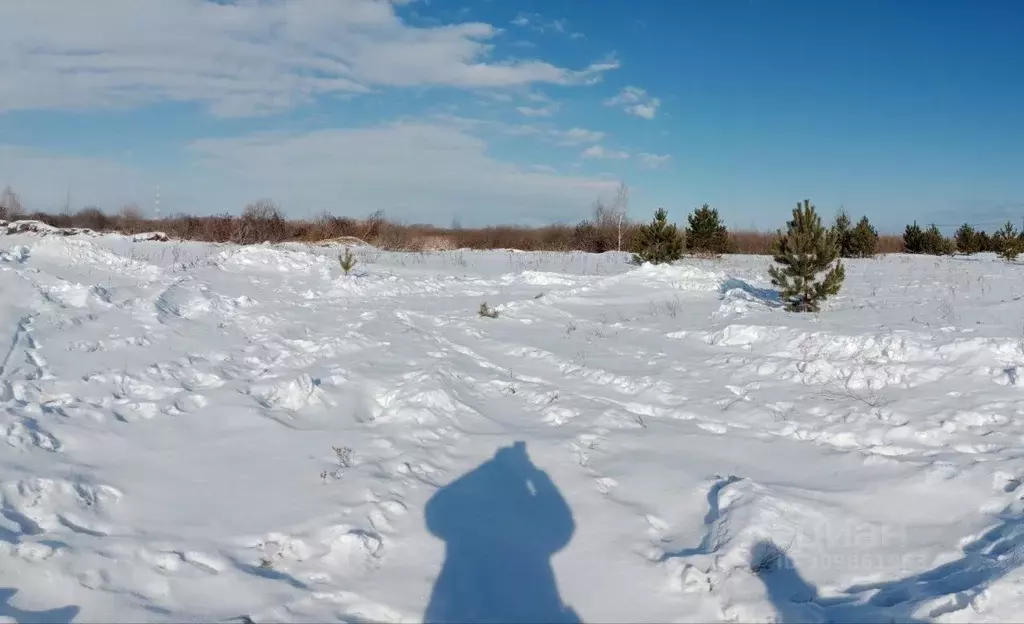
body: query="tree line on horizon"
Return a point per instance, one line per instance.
(1006, 241)
(609, 229)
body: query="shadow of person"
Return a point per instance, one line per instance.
(52, 616)
(946, 588)
(501, 524)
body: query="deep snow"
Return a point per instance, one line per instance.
(222, 433)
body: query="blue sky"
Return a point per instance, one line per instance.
(498, 111)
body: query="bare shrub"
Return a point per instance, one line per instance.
(888, 243)
(373, 225)
(218, 228)
(612, 218)
(91, 217)
(129, 219)
(327, 226)
(750, 242)
(587, 237)
(10, 205)
(487, 311)
(261, 222)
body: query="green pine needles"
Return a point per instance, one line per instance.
(657, 242)
(1008, 242)
(863, 240)
(806, 249)
(860, 241)
(706, 233)
(347, 261)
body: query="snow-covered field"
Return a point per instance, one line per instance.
(215, 433)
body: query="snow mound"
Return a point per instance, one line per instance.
(679, 276)
(40, 505)
(82, 253)
(17, 254)
(275, 260)
(159, 237)
(189, 300)
(42, 229)
(69, 294)
(183, 302)
(289, 394)
(889, 347)
(344, 241)
(541, 278)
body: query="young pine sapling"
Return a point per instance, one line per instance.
(347, 261)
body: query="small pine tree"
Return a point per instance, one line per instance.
(1007, 242)
(657, 242)
(347, 261)
(984, 241)
(863, 240)
(935, 244)
(1010, 250)
(706, 232)
(968, 241)
(844, 234)
(913, 239)
(806, 249)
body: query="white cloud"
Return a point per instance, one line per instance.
(577, 136)
(538, 97)
(538, 111)
(46, 180)
(547, 107)
(635, 101)
(418, 171)
(565, 138)
(598, 152)
(559, 25)
(241, 59)
(535, 21)
(653, 161)
(544, 168)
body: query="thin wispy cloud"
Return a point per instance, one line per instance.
(383, 166)
(538, 111)
(536, 22)
(635, 101)
(577, 136)
(598, 152)
(653, 161)
(570, 137)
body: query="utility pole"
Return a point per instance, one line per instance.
(156, 204)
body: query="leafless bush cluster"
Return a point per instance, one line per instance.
(10, 205)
